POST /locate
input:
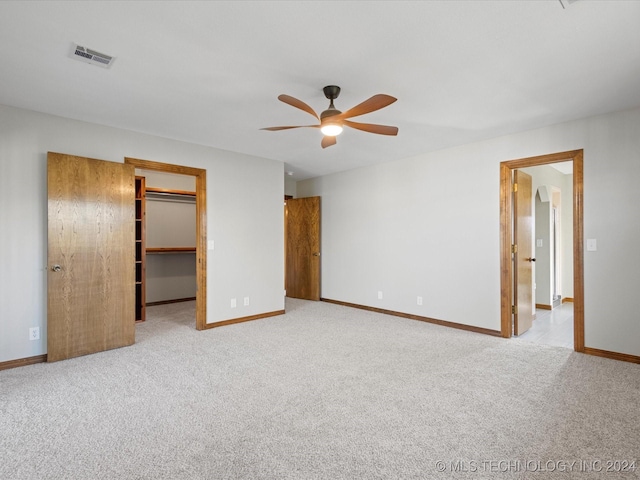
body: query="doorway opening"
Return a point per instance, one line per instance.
(551, 247)
(508, 289)
(201, 216)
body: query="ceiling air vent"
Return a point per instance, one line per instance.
(566, 3)
(91, 56)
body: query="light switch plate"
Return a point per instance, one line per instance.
(592, 245)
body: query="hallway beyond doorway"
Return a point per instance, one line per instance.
(552, 327)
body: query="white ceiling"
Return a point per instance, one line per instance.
(210, 72)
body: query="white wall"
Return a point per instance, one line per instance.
(429, 226)
(170, 277)
(290, 185)
(244, 218)
(171, 181)
(543, 266)
(170, 222)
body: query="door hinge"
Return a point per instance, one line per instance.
(515, 187)
(513, 309)
(514, 248)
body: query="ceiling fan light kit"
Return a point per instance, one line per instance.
(333, 120)
(331, 129)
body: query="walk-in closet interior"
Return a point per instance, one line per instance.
(165, 239)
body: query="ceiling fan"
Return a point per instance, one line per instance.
(332, 120)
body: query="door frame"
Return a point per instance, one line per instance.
(506, 215)
(201, 227)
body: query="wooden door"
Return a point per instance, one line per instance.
(302, 275)
(91, 256)
(523, 260)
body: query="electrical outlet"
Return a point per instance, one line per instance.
(246, 301)
(379, 295)
(34, 333)
(419, 300)
(233, 303)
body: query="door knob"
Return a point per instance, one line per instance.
(316, 254)
(56, 268)
(531, 259)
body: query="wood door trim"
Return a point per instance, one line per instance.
(201, 227)
(578, 253)
(506, 266)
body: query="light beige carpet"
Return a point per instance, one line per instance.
(323, 392)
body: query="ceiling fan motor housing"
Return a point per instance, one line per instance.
(331, 92)
(329, 112)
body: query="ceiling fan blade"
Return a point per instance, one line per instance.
(275, 129)
(372, 128)
(328, 141)
(371, 105)
(294, 102)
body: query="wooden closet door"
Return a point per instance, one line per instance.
(91, 256)
(303, 248)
